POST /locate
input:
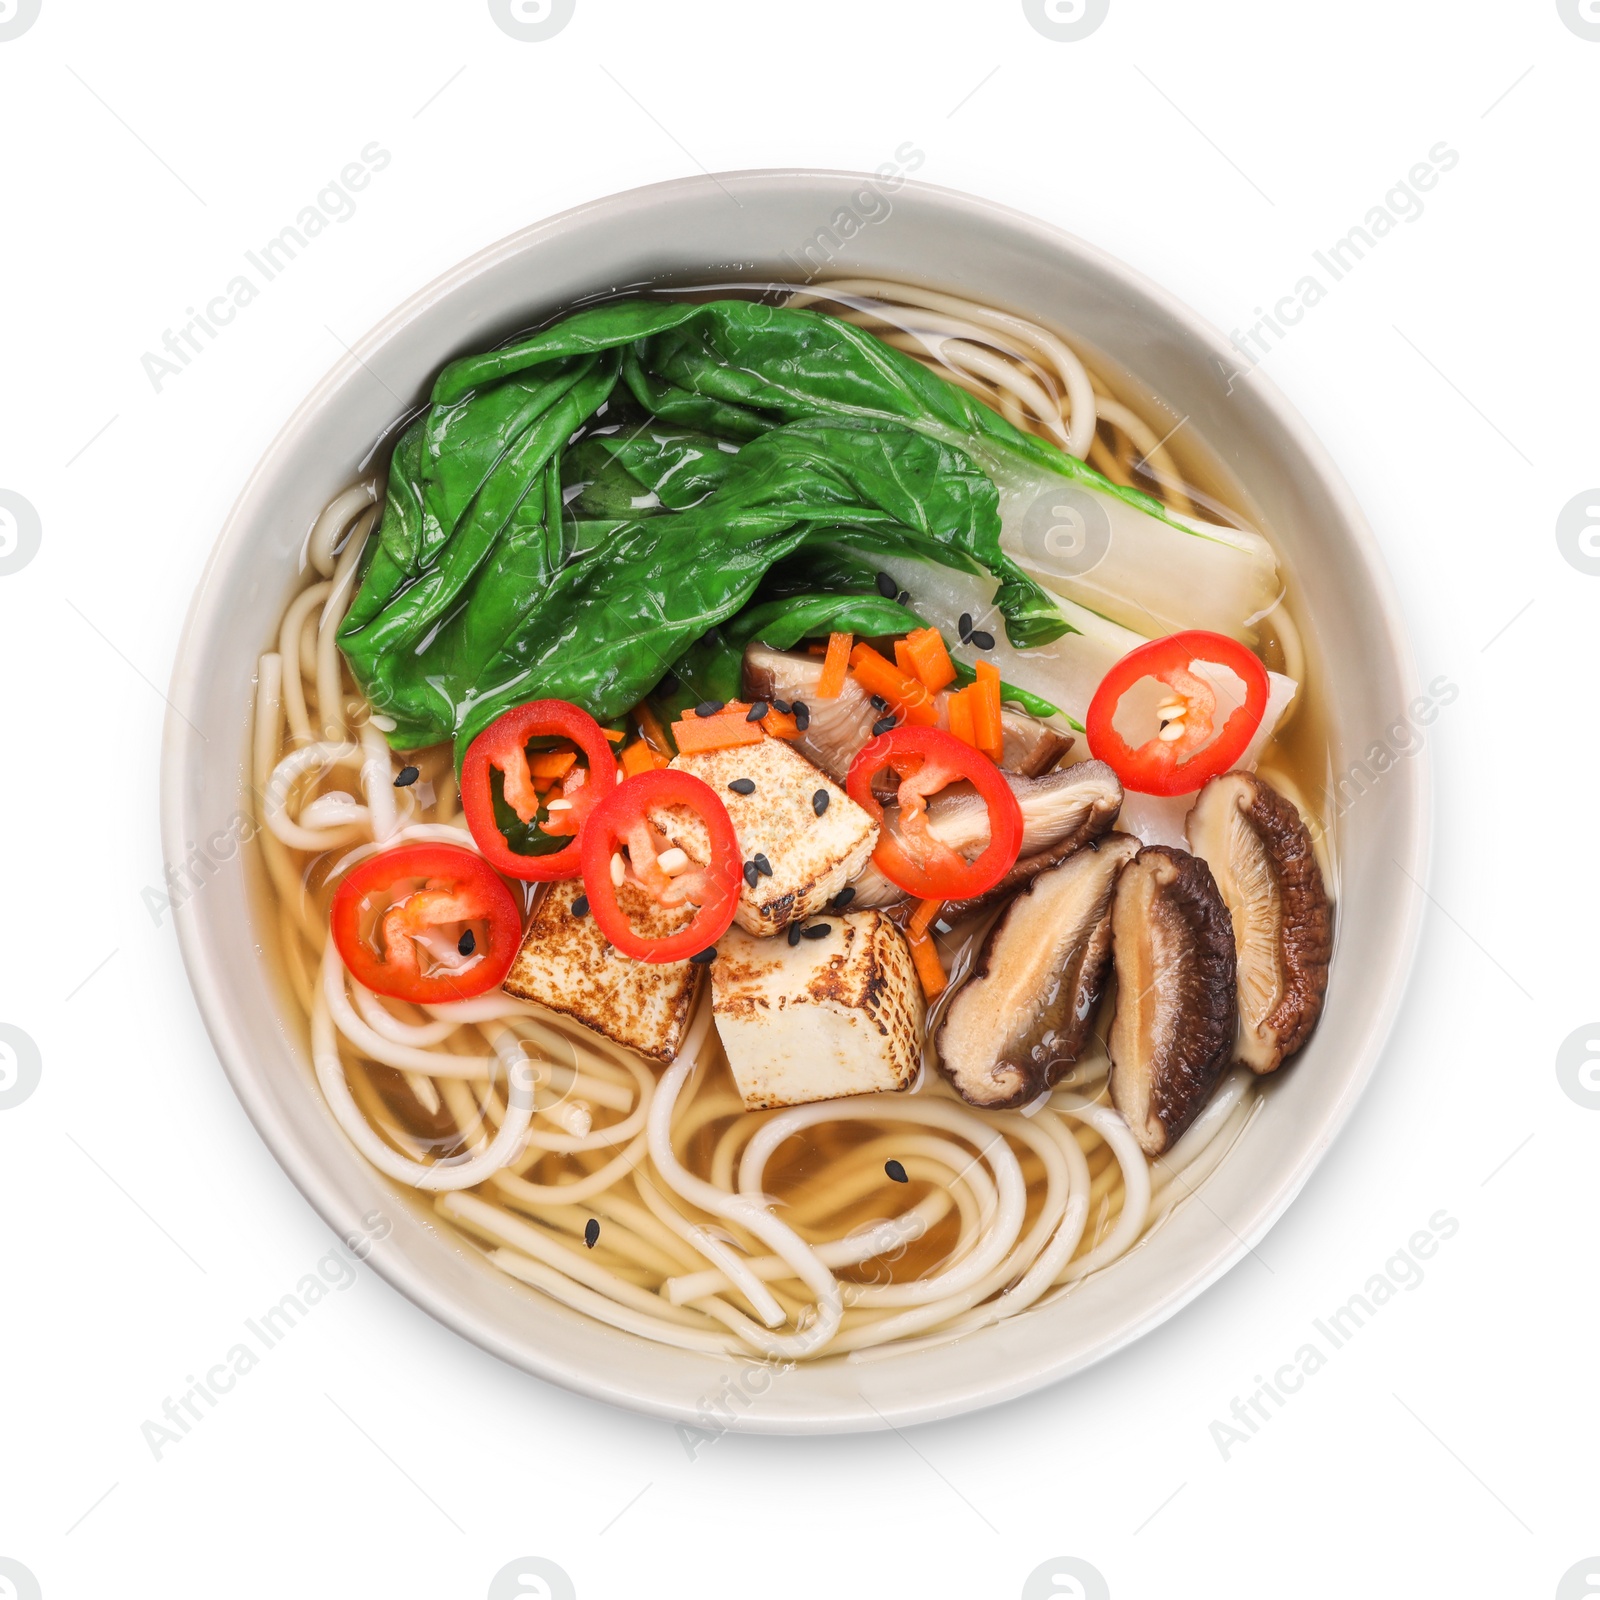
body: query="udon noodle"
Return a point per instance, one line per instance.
(773, 1233)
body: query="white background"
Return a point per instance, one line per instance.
(1448, 1448)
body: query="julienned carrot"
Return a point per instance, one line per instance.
(834, 665)
(721, 732)
(615, 735)
(986, 725)
(902, 659)
(959, 709)
(548, 765)
(925, 914)
(780, 725)
(930, 970)
(908, 697)
(639, 757)
(929, 659)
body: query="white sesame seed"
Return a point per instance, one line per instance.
(619, 868)
(1171, 733)
(672, 861)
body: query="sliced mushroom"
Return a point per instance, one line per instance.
(1061, 811)
(1082, 805)
(1024, 1016)
(1172, 1031)
(1265, 866)
(1027, 745)
(841, 725)
(838, 727)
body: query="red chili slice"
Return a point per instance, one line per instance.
(621, 819)
(1181, 765)
(502, 746)
(402, 922)
(928, 759)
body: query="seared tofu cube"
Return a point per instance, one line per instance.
(566, 964)
(819, 1018)
(812, 856)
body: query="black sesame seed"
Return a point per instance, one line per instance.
(761, 864)
(466, 944)
(743, 785)
(794, 934)
(903, 597)
(670, 684)
(819, 801)
(408, 776)
(843, 898)
(879, 703)
(887, 586)
(708, 708)
(783, 706)
(752, 873)
(817, 930)
(982, 639)
(883, 725)
(802, 715)
(756, 712)
(705, 958)
(896, 1171)
(591, 1232)
(580, 906)
(964, 626)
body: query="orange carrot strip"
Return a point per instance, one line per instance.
(780, 725)
(639, 757)
(902, 659)
(986, 724)
(923, 917)
(908, 697)
(930, 661)
(615, 735)
(548, 765)
(834, 664)
(721, 732)
(959, 709)
(930, 970)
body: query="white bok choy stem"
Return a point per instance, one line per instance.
(1157, 574)
(1066, 672)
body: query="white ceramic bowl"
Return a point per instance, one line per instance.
(947, 240)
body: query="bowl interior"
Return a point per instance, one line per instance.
(785, 224)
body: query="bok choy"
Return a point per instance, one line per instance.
(646, 486)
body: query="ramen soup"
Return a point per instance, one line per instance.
(787, 815)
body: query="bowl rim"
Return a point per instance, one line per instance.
(181, 746)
